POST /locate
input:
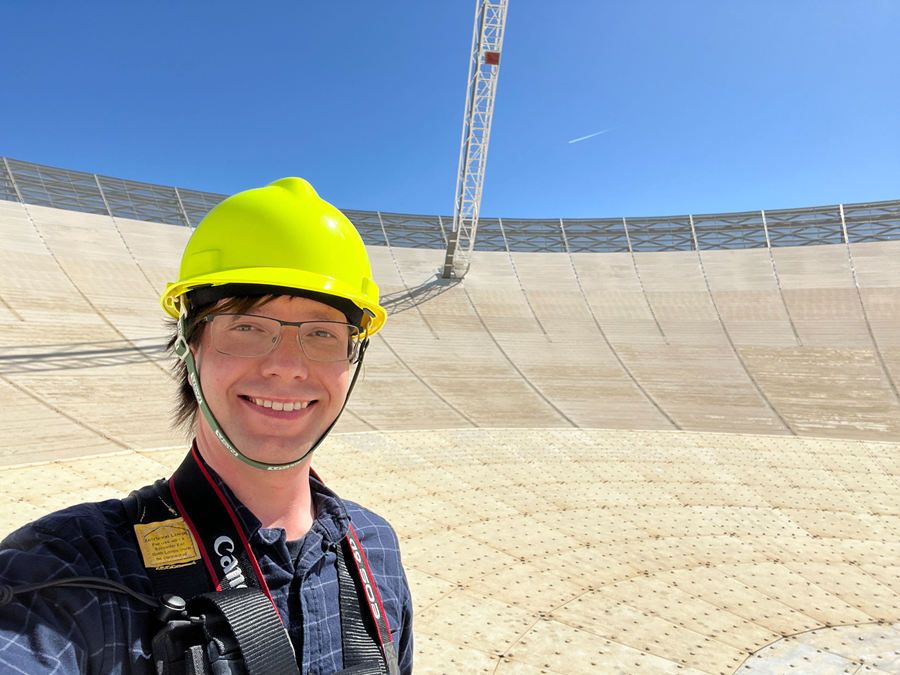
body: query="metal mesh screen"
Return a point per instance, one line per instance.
(660, 234)
(489, 236)
(730, 230)
(606, 236)
(872, 222)
(7, 190)
(57, 188)
(805, 227)
(142, 201)
(368, 226)
(408, 231)
(197, 204)
(79, 191)
(533, 235)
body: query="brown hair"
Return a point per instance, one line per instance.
(184, 413)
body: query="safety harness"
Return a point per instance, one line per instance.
(219, 615)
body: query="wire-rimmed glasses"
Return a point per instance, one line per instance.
(250, 336)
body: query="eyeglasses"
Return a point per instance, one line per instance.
(249, 336)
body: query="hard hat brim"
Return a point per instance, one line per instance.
(290, 278)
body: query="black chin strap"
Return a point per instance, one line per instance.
(363, 346)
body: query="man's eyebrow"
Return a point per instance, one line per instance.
(323, 316)
(315, 315)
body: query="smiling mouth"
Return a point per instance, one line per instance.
(286, 406)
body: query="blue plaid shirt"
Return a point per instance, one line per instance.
(73, 630)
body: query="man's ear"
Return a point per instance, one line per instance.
(195, 352)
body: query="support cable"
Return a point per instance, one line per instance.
(606, 340)
(731, 344)
(443, 231)
(778, 281)
(10, 309)
(512, 263)
(637, 273)
(361, 418)
(862, 306)
(122, 237)
(412, 371)
(512, 363)
(187, 221)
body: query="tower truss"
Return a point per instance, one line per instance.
(484, 67)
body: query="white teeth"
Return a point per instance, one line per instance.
(274, 405)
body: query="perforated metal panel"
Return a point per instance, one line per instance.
(603, 551)
(57, 188)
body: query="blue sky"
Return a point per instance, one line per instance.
(714, 105)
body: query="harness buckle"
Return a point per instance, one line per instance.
(181, 346)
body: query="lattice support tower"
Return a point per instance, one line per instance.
(484, 67)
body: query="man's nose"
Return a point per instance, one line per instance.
(288, 355)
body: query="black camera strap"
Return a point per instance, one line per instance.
(372, 598)
(193, 544)
(224, 547)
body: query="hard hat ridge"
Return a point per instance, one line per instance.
(299, 187)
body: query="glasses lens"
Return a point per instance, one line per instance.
(329, 340)
(244, 335)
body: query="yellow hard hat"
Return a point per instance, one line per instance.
(285, 236)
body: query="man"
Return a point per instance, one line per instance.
(275, 305)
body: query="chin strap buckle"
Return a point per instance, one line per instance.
(181, 346)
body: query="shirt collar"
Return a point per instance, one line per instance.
(332, 518)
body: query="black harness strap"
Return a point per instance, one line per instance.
(264, 643)
(373, 599)
(358, 637)
(153, 504)
(215, 526)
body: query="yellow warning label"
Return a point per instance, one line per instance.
(167, 543)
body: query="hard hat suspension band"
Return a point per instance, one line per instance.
(207, 295)
(183, 352)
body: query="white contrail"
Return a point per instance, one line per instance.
(591, 135)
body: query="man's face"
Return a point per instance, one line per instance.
(233, 386)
